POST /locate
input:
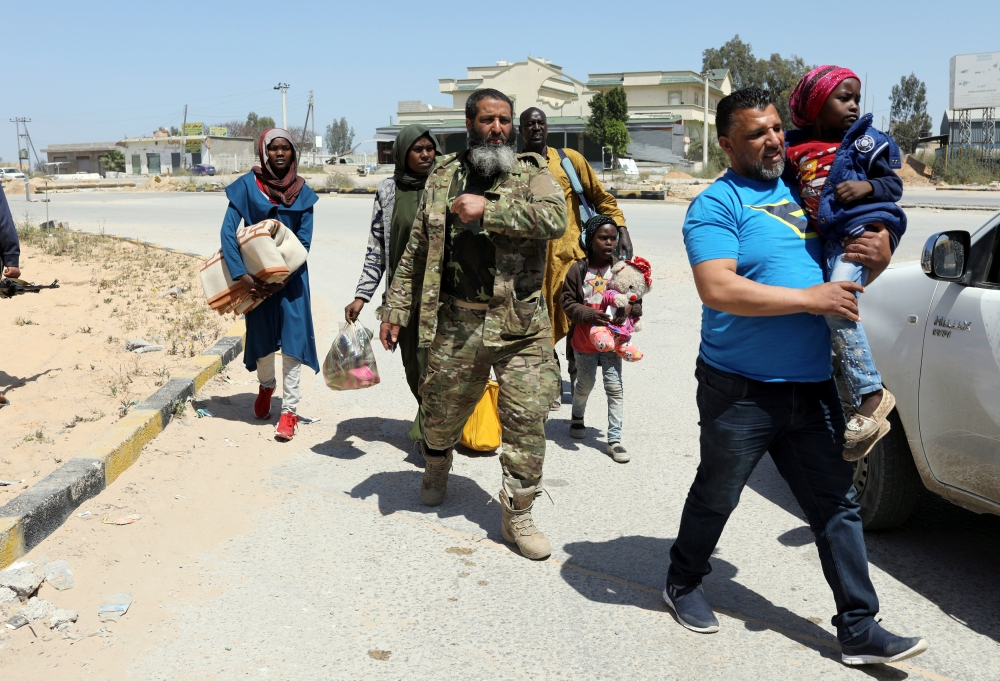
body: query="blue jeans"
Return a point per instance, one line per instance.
(586, 376)
(850, 344)
(801, 425)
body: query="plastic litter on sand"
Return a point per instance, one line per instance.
(125, 520)
(114, 607)
(59, 575)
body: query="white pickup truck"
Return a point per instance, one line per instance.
(934, 330)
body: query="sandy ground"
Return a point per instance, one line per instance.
(192, 487)
(65, 368)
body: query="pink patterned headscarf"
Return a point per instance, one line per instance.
(811, 93)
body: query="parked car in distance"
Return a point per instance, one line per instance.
(202, 169)
(934, 330)
(11, 174)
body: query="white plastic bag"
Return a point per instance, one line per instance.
(350, 364)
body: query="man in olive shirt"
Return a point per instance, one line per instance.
(474, 264)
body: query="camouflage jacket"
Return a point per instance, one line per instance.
(523, 211)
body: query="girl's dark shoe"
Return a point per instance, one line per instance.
(618, 452)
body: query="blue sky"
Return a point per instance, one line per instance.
(100, 71)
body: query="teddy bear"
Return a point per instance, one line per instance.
(630, 281)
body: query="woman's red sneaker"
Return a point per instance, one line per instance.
(286, 426)
(262, 407)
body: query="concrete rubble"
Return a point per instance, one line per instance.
(22, 578)
(7, 597)
(37, 609)
(61, 619)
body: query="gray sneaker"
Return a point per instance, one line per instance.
(618, 452)
(691, 608)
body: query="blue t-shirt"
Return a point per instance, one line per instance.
(762, 226)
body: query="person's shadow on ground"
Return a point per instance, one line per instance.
(8, 382)
(630, 571)
(938, 539)
(557, 431)
(393, 432)
(237, 408)
(400, 491)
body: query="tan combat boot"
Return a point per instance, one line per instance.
(435, 482)
(516, 523)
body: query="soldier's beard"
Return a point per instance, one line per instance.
(491, 160)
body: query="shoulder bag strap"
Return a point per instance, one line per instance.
(574, 181)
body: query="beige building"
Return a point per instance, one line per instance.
(663, 106)
(84, 157)
(659, 94)
(165, 154)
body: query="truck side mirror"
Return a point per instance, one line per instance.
(945, 255)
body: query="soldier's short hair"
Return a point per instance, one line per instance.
(472, 103)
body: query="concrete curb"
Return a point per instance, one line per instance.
(38, 511)
(950, 206)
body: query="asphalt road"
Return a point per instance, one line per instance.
(346, 560)
(988, 200)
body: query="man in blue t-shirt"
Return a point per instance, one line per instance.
(765, 376)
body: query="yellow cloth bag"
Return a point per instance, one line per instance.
(482, 431)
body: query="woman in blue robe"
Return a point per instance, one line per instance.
(283, 321)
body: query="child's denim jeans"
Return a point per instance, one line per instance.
(849, 341)
(586, 376)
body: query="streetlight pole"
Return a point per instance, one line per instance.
(704, 133)
(284, 111)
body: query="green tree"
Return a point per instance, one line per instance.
(175, 131)
(617, 104)
(737, 56)
(780, 76)
(339, 137)
(114, 161)
(596, 122)
(616, 136)
(606, 123)
(717, 158)
(777, 74)
(908, 112)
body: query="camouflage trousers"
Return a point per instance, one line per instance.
(458, 367)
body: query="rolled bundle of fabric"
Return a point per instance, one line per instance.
(270, 251)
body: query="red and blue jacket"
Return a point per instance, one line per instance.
(865, 153)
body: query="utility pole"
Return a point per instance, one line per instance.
(28, 143)
(865, 105)
(17, 126)
(183, 138)
(704, 129)
(284, 111)
(305, 126)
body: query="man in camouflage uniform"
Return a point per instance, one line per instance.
(475, 262)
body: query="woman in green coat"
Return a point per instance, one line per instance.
(396, 201)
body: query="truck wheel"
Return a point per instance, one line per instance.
(887, 481)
